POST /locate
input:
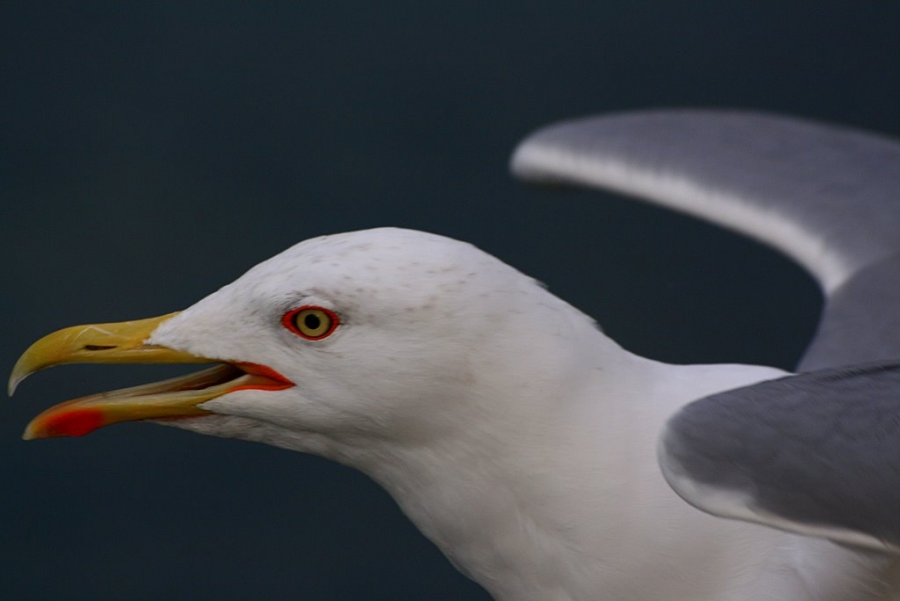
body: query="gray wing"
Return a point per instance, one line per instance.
(817, 453)
(827, 196)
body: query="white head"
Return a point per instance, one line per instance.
(429, 329)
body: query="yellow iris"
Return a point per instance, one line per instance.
(313, 323)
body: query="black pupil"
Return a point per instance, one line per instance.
(312, 321)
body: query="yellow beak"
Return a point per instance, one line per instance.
(125, 343)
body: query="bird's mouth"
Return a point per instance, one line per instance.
(124, 342)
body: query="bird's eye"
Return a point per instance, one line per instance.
(312, 323)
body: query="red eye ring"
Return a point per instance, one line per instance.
(311, 322)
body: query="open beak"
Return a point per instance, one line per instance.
(124, 343)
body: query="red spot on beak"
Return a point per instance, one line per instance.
(76, 422)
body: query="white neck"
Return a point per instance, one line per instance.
(556, 507)
(501, 497)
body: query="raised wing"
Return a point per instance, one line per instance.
(827, 196)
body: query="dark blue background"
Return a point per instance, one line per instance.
(152, 152)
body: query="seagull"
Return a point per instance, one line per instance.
(546, 461)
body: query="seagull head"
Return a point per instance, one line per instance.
(338, 341)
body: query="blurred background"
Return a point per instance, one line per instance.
(152, 152)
